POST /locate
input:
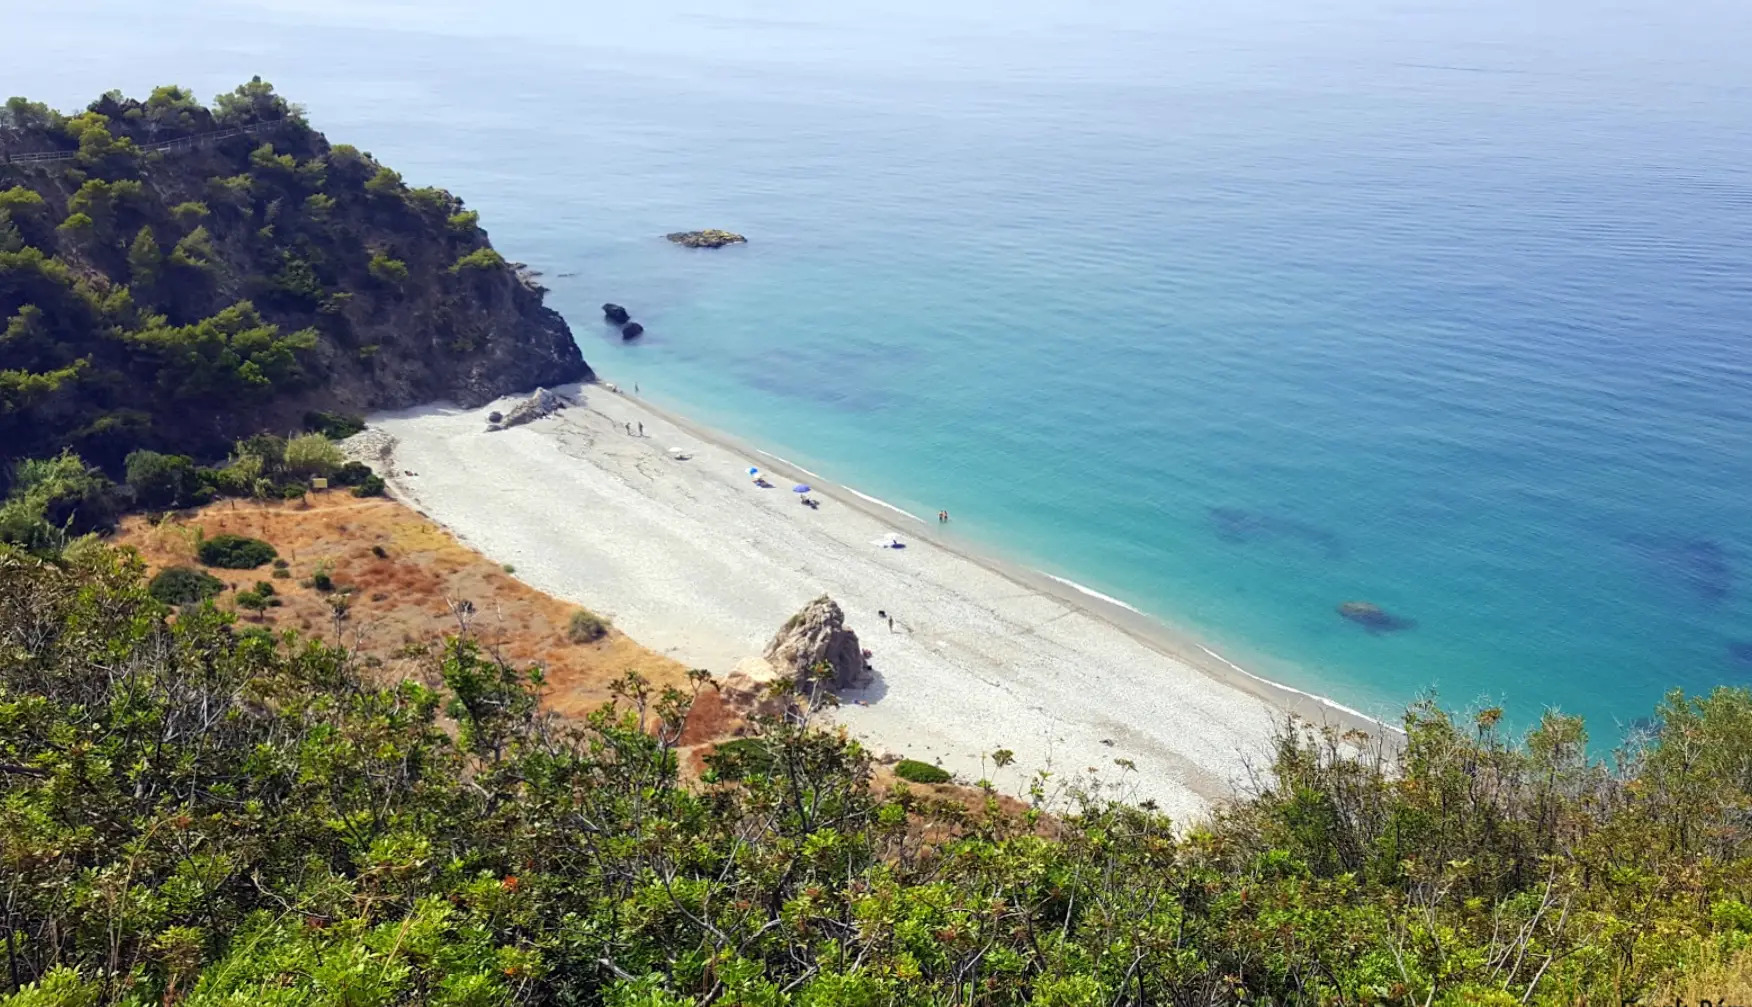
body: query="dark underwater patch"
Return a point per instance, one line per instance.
(1239, 526)
(1702, 566)
(1374, 618)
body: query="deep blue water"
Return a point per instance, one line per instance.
(1235, 314)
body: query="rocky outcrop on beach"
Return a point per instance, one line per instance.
(632, 330)
(709, 238)
(535, 407)
(615, 313)
(813, 651)
(815, 637)
(749, 692)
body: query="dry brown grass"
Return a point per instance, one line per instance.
(1724, 982)
(402, 602)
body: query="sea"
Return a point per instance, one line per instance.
(1233, 312)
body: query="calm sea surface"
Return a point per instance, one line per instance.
(1235, 314)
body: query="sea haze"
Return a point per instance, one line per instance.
(1235, 314)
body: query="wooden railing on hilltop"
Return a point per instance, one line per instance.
(180, 143)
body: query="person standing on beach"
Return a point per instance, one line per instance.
(629, 429)
(641, 429)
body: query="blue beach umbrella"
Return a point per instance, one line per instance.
(800, 488)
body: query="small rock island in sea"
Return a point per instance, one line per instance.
(709, 238)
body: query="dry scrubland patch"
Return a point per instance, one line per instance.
(404, 579)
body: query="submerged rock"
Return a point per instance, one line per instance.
(632, 330)
(535, 407)
(1239, 526)
(1373, 617)
(709, 238)
(615, 313)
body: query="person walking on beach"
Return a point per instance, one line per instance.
(641, 430)
(629, 429)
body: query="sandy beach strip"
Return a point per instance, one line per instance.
(693, 560)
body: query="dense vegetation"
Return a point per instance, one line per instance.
(183, 585)
(235, 552)
(177, 299)
(193, 812)
(55, 501)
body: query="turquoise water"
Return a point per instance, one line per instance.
(1235, 315)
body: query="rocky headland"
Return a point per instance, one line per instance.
(180, 276)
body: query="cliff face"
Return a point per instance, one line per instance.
(176, 277)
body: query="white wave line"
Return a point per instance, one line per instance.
(1322, 700)
(1091, 592)
(787, 461)
(883, 503)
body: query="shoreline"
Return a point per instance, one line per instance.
(984, 653)
(1150, 630)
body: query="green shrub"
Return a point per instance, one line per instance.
(740, 759)
(323, 578)
(586, 627)
(78, 225)
(920, 772)
(268, 449)
(161, 480)
(19, 201)
(351, 474)
(194, 251)
(145, 258)
(388, 270)
(334, 426)
(190, 214)
(183, 585)
(312, 456)
(433, 199)
(235, 552)
(54, 499)
(385, 183)
(480, 258)
(370, 486)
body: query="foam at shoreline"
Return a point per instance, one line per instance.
(1091, 592)
(883, 503)
(787, 461)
